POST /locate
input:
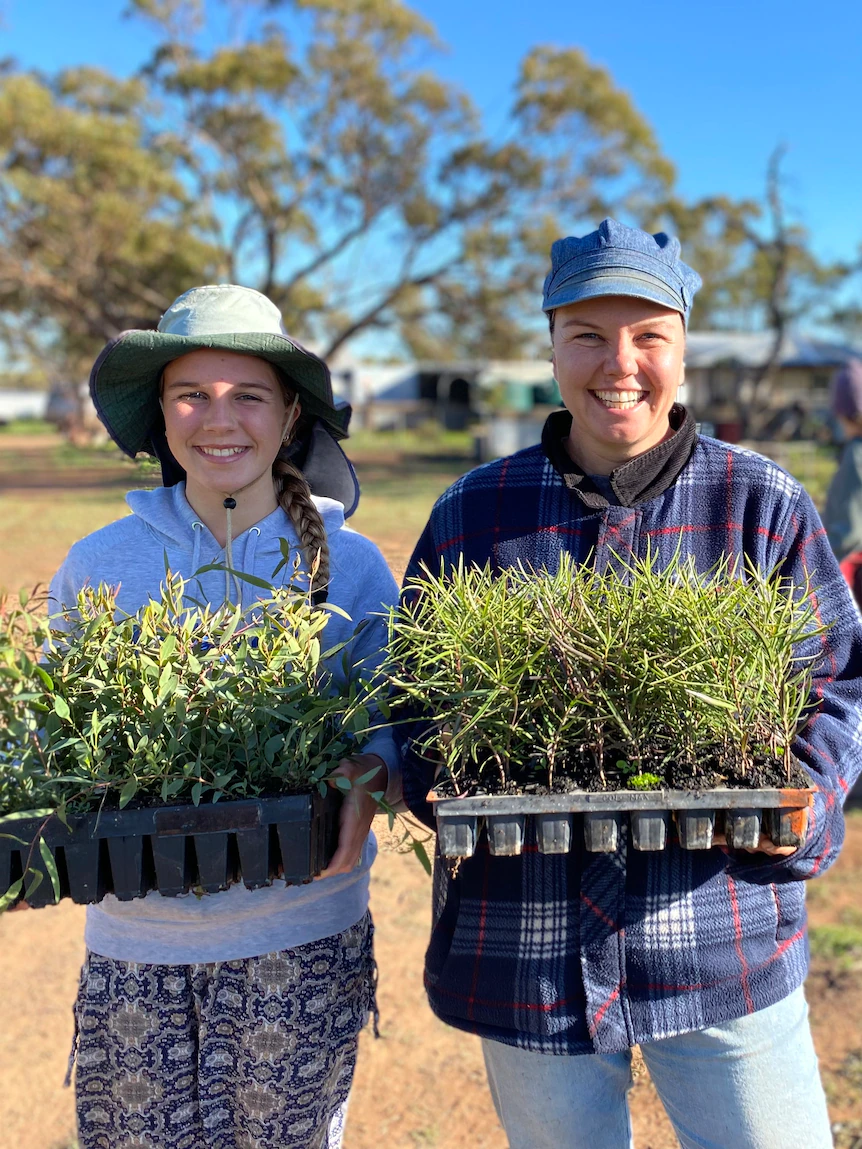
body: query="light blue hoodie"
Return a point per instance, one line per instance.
(131, 554)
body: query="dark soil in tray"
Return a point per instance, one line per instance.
(154, 802)
(580, 772)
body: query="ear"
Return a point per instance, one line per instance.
(293, 413)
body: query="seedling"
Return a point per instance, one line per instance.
(637, 676)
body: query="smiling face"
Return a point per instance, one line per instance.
(619, 364)
(225, 419)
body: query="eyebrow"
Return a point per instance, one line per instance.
(249, 386)
(658, 321)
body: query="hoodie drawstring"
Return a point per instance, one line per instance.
(229, 505)
(197, 531)
(254, 534)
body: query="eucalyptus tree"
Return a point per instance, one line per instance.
(97, 230)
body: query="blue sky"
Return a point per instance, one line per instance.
(721, 83)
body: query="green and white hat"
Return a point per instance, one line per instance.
(124, 382)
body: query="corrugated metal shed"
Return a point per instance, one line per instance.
(752, 348)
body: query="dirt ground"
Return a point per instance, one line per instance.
(421, 1084)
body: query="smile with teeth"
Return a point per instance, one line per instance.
(222, 452)
(619, 400)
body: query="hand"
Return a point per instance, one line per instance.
(764, 846)
(357, 809)
(799, 822)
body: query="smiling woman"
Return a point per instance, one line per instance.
(263, 985)
(226, 418)
(699, 961)
(619, 364)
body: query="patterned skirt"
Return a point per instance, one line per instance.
(250, 1054)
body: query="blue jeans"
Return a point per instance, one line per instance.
(752, 1083)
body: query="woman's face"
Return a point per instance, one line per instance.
(619, 364)
(225, 419)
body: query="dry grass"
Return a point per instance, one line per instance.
(422, 1084)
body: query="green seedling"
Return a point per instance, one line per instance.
(638, 665)
(171, 704)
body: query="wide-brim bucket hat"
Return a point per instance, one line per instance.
(125, 379)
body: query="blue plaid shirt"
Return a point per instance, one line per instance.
(585, 952)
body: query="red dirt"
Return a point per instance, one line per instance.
(422, 1084)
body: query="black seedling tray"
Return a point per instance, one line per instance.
(741, 814)
(174, 849)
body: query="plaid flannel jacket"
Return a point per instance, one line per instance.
(584, 952)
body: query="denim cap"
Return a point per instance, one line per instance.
(620, 260)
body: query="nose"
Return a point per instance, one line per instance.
(621, 362)
(219, 413)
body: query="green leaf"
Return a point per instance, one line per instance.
(197, 791)
(272, 746)
(21, 815)
(422, 854)
(32, 882)
(342, 783)
(50, 867)
(128, 791)
(11, 895)
(252, 579)
(61, 707)
(367, 776)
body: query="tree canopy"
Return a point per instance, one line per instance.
(308, 148)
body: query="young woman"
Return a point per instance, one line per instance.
(231, 1020)
(562, 963)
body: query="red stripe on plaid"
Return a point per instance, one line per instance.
(480, 945)
(505, 1003)
(530, 528)
(737, 939)
(824, 638)
(694, 528)
(829, 803)
(600, 914)
(681, 987)
(603, 1009)
(615, 529)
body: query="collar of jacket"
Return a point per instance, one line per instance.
(645, 477)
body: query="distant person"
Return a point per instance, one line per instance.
(562, 963)
(842, 515)
(231, 1020)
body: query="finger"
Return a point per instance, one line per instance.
(764, 846)
(352, 832)
(769, 847)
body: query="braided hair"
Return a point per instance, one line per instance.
(294, 496)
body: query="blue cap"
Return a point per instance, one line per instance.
(620, 260)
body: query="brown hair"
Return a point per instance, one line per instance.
(294, 496)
